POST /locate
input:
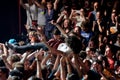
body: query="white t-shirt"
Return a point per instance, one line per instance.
(31, 12)
(41, 17)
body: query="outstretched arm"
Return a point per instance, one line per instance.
(62, 68)
(56, 4)
(4, 49)
(41, 4)
(39, 73)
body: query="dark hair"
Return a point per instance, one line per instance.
(16, 73)
(74, 43)
(14, 58)
(4, 70)
(56, 32)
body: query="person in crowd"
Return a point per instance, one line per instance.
(58, 49)
(31, 12)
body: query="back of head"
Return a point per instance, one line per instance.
(74, 43)
(16, 74)
(14, 58)
(56, 32)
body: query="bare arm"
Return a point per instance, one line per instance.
(57, 62)
(43, 63)
(39, 73)
(68, 66)
(5, 51)
(77, 65)
(55, 4)
(40, 5)
(71, 15)
(62, 69)
(60, 18)
(31, 55)
(24, 57)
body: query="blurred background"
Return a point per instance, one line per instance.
(12, 20)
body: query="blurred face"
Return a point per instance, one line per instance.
(98, 15)
(87, 66)
(77, 30)
(113, 16)
(108, 52)
(96, 5)
(30, 2)
(49, 5)
(66, 23)
(86, 3)
(91, 44)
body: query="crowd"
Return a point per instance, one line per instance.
(65, 40)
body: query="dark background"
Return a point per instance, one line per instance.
(12, 20)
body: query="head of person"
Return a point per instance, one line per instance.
(108, 52)
(13, 58)
(87, 64)
(66, 9)
(33, 37)
(85, 26)
(56, 34)
(86, 3)
(97, 65)
(98, 15)
(96, 6)
(77, 30)
(3, 73)
(15, 75)
(49, 5)
(74, 43)
(66, 23)
(30, 2)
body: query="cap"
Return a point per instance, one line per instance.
(12, 41)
